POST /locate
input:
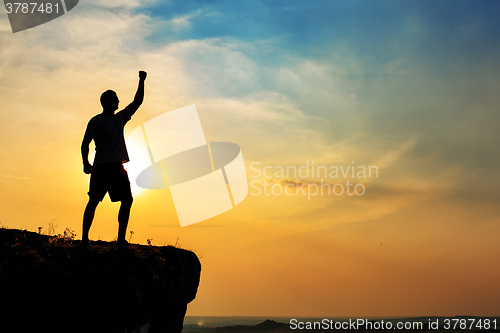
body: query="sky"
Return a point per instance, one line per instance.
(409, 88)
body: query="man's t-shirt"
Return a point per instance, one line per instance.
(108, 137)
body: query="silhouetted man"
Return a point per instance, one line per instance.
(107, 173)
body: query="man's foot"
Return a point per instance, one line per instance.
(122, 244)
(85, 244)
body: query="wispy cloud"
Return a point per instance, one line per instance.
(13, 177)
(395, 154)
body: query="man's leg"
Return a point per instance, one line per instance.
(123, 216)
(88, 217)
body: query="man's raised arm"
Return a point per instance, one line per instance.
(139, 95)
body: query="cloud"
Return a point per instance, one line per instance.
(282, 106)
(13, 177)
(291, 111)
(120, 3)
(180, 22)
(392, 156)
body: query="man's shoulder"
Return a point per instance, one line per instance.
(96, 117)
(96, 122)
(125, 114)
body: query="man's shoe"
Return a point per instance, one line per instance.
(122, 244)
(85, 244)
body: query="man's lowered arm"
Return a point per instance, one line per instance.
(87, 168)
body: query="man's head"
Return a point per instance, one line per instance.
(109, 100)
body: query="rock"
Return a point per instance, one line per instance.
(50, 284)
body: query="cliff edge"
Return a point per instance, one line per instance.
(49, 284)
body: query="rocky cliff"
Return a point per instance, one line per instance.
(49, 284)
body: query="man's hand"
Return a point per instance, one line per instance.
(87, 168)
(142, 75)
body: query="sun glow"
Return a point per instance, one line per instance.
(135, 166)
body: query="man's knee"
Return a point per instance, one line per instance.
(128, 201)
(93, 202)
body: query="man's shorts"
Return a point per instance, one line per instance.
(109, 178)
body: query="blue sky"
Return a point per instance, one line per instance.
(376, 30)
(368, 43)
(370, 73)
(373, 74)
